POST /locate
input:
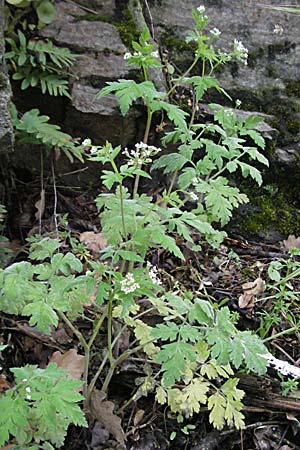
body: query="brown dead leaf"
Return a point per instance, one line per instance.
(6, 447)
(69, 361)
(138, 417)
(291, 242)
(102, 410)
(40, 206)
(95, 242)
(251, 290)
(3, 383)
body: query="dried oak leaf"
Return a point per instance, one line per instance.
(95, 242)
(70, 361)
(102, 411)
(251, 290)
(291, 242)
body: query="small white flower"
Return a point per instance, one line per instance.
(93, 149)
(28, 397)
(241, 51)
(1, 368)
(153, 274)
(86, 142)
(155, 54)
(27, 389)
(195, 180)
(215, 32)
(201, 9)
(24, 379)
(127, 55)
(129, 285)
(194, 196)
(278, 29)
(238, 103)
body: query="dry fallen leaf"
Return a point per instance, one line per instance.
(251, 290)
(69, 361)
(3, 383)
(138, 417)
(95, 242)
(102, 410)
(291, 242)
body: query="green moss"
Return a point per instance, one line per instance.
(293, 88)
(170, 40)
(272, 212)
(123, 21)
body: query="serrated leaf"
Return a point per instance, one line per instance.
(167, 242)
(42, 315)
(165, 332)
(161, 395)
(174, 358)
(252, 348)
(217, 404)
(202, 312)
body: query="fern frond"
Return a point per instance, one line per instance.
(60, 56)
(37, 126)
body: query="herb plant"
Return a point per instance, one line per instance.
(194, 348)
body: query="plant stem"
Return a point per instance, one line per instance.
(282, 333)
(183, 76)
(109, 329)
(145, 140)
(118, 361)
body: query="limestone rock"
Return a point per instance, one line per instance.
(6, 132)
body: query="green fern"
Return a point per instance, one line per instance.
(40, 63)
(37, 127)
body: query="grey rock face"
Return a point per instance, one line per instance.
(270, 83)
(68, 29)
(6, 132)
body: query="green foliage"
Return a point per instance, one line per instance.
(194, 348)
(45, 9)
(40, 407)
(38, 62)
(34, 127)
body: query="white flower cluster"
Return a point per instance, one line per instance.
(153, 274)
(195, 181)
(241, 51)
(238, 103)
(278, 29)
(129, 55)
(194, 196)
(201, 9)
(215, 32)
(142, 153)
(27, 389)
(129, 285)
(88, 143)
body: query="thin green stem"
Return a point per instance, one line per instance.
(183, 76)
(145, 140)
(96, 329)
(282, 333)
(109, 329)
(74, 329)
(118, 361)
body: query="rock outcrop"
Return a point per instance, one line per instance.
(6, 133)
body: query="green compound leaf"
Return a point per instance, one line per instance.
(42, 315)
(174, 358)
(248, 348)
(217, 404)
(166, 332)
